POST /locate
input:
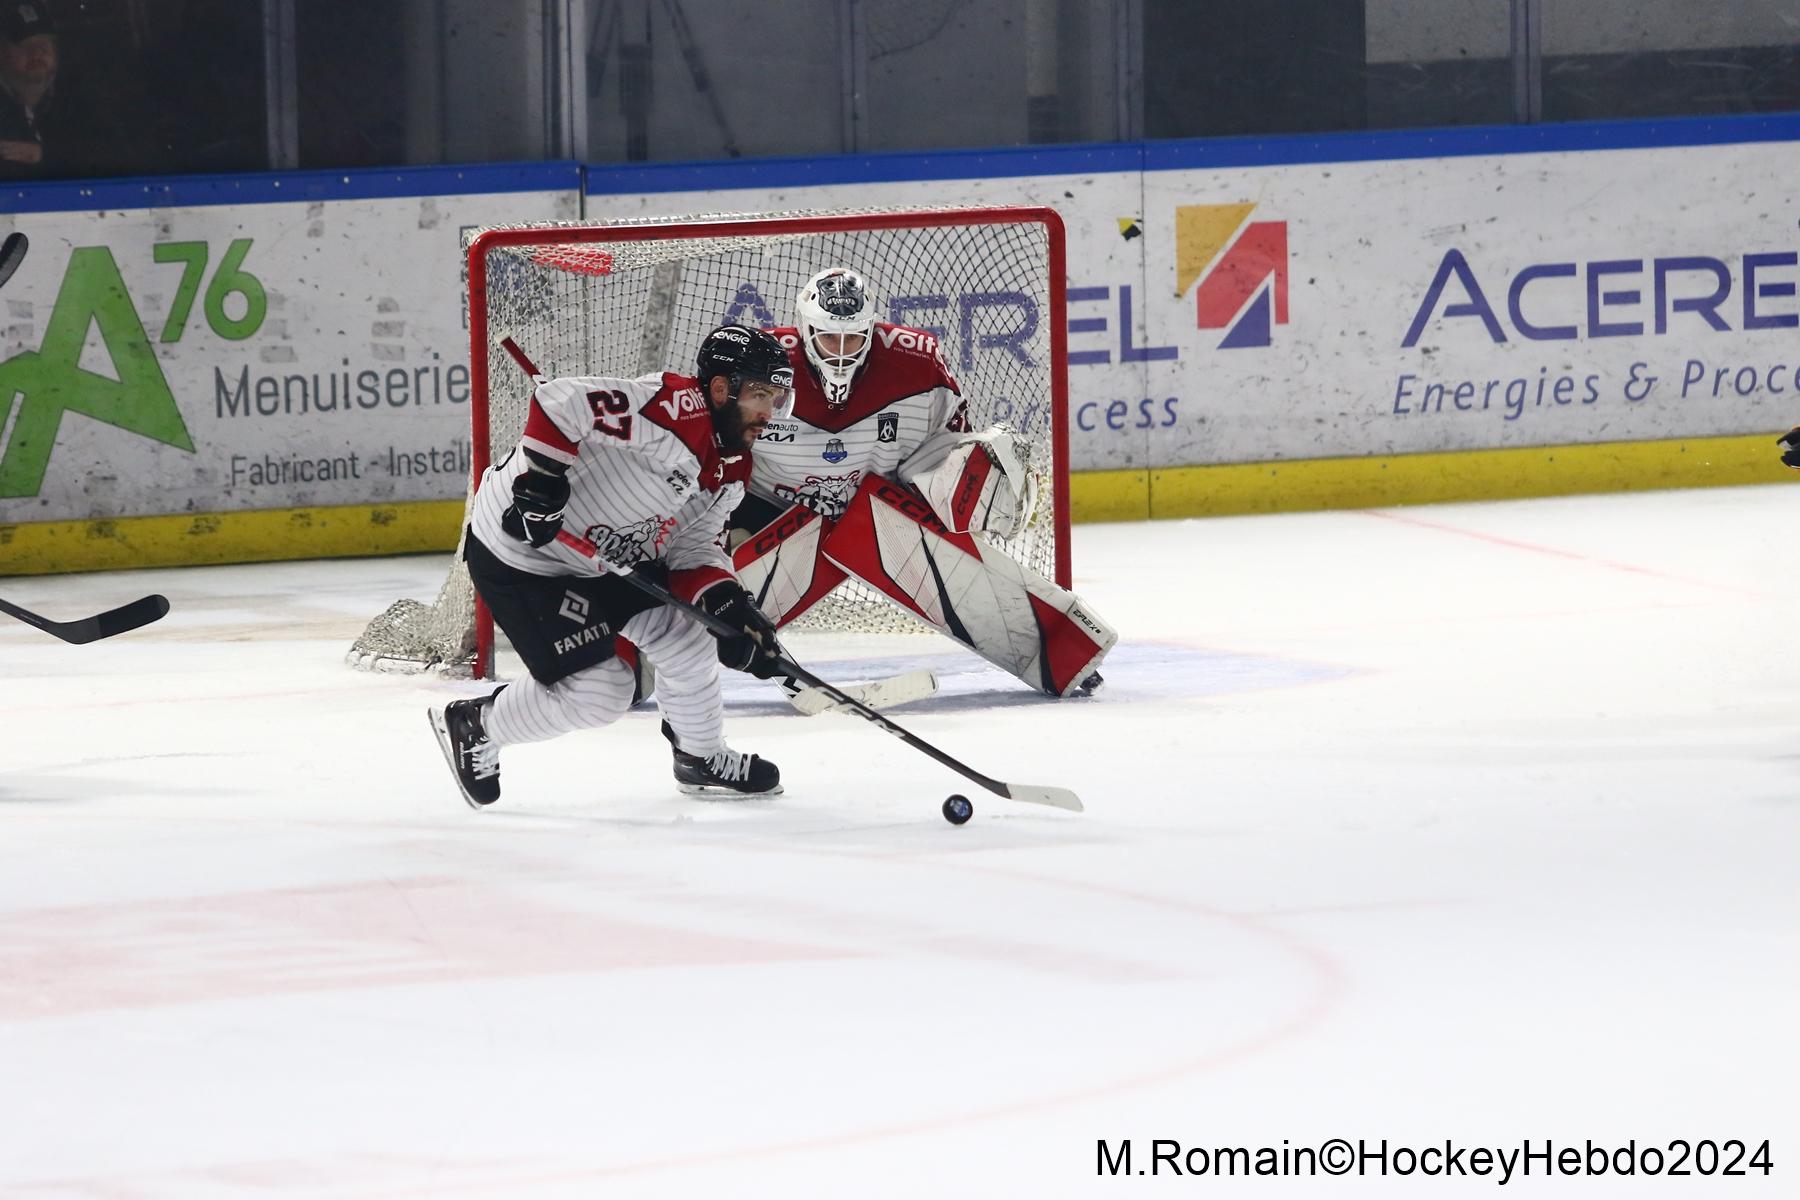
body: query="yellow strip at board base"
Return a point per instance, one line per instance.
(1305, 485)
(51, 547)
(126, 543)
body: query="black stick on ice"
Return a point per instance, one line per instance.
(123, 619)
(12, 253)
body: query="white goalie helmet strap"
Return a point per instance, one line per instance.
(836, 300)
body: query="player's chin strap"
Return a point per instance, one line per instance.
(1055, 797)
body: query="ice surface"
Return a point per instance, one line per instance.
(1472, 823)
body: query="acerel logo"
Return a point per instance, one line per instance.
(1242, 267)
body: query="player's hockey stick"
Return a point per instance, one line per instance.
(12, 253)
(1033, 794)
(123, 619)
(808, 702)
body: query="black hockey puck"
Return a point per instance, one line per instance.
(957, 810)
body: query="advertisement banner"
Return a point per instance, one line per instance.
(223, 358)
(1303, 311)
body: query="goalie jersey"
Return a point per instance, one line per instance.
(904, 401)
(647, 479)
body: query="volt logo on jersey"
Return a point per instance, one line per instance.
(887, 429)
(834, 451)
(1242, 269)
(907, 339)
(574, 607)
(684, 403)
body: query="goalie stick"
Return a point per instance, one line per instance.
(1030, 793)
(12, 253)
(123, 619)
(808, 702)
(882, 693)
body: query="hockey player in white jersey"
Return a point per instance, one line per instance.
(647, 470)
(877, 476)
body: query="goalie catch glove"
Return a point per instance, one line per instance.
(755, 650)
(540, 493)
(1790, 447)
(984, 485)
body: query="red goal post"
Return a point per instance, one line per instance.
(632, 297)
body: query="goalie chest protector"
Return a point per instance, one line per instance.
(902, 395)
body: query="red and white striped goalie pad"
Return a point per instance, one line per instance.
(781, 567)
(957, 583)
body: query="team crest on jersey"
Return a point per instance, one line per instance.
(887, 429)
(834, 451)
(827, 495)
(633, 544)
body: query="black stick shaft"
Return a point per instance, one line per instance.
(12, 253)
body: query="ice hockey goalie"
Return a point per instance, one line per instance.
(877, 476)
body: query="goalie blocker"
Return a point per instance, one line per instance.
(890, 539)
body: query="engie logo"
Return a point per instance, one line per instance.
(1242, 266)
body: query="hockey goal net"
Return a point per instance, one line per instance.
(633, 297)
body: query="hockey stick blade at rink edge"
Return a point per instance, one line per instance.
(1031, 794)
(12, 253)
(123, 619)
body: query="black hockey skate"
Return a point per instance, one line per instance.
(1089, 686)
(473, 759)
(726, 773)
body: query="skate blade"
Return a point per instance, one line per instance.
(707, 791)
(442, 733)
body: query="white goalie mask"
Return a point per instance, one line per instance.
(836, 320)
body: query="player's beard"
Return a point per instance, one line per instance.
(735, 434)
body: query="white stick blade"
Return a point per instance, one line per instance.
(883, 693)
(1055, 797)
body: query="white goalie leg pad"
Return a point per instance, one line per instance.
(970, 590)
(781, 567)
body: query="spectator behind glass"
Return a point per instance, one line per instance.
(45, 131)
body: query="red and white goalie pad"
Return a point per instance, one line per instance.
(781, 565)
(976, 482)
(955, 582)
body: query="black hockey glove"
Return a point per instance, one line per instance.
(755, 650)
(539, 495)
(1790, 447)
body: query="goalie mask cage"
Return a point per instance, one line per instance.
(632, 298)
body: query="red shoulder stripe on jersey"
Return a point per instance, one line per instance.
(680, 407)
(543, 435)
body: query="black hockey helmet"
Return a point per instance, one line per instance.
(740, 353)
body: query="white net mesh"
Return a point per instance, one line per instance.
(626, 308)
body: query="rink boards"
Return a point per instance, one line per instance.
(269, 367)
